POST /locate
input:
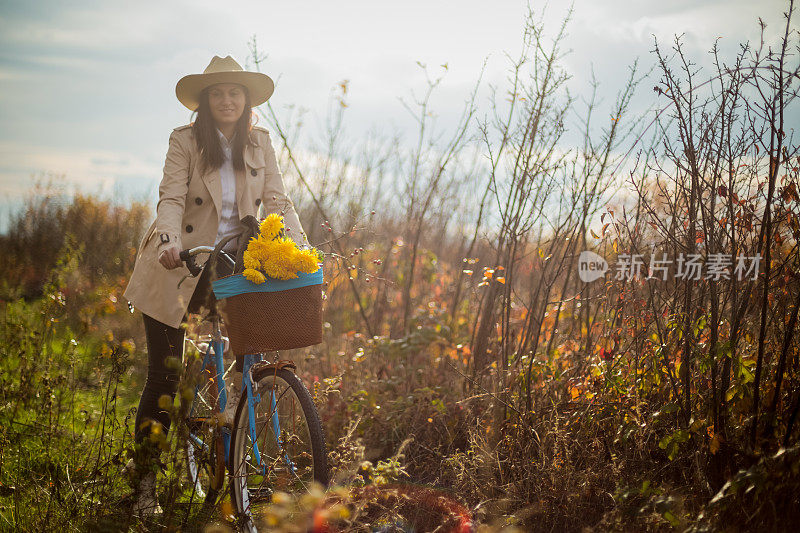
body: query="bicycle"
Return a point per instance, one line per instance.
(276, 442)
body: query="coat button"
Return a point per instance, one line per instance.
(189, 228)
(258, 202)
(254, 172)
(198, 201)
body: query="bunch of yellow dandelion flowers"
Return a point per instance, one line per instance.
(274, 255)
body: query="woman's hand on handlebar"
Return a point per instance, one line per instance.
(169, 258)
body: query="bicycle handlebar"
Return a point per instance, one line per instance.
(188, 257)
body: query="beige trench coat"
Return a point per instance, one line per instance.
(188, 210)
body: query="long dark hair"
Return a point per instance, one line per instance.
(207, 138)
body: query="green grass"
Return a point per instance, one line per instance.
(66, 429)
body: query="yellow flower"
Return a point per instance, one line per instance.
(285, 247)
(271, 226)
(254, 275)
(280, 264)
(306, 261)
(279, 259)
(259, 250)
(250, 261)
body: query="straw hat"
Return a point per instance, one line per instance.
(224, 70)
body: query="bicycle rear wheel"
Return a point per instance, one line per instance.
(288, 453)
(205, 454)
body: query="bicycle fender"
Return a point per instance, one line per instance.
(274, 366)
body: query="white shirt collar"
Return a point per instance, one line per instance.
(224, 140)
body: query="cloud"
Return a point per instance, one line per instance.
(96, 171)
(88, 86)
(701, 23)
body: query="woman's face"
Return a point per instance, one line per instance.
(226, 101)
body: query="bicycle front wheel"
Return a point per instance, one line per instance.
(282, 450)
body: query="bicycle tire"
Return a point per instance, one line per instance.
(205, 455)
(303, 443)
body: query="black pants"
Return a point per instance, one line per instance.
(164, 341)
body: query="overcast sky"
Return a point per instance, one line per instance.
(87, 88)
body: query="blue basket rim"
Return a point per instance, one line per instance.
(234, 284)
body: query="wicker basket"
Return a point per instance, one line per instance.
(275, 315)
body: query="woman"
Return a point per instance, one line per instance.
(218, 170)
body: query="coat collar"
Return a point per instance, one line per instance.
(254, 156)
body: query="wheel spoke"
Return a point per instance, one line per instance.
(203, 455)
(285, 444)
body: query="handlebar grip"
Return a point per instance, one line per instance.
(194, 268)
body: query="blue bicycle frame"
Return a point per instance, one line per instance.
(213, 356)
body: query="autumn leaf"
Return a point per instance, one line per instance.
(226, 509)
(790, 193)
(716, 442)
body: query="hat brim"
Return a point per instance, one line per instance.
(259, 86)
